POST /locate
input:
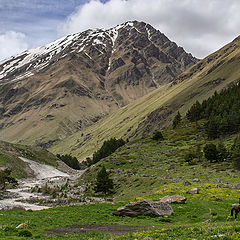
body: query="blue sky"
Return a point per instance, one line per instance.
(37, 19)
(200, 26)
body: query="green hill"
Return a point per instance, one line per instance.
(146, 167)
(157, 109)
(10, 153)
(149, 169)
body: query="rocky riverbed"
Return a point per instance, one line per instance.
(32, 193)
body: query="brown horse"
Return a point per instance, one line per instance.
(236, 209)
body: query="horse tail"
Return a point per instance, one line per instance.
(232, 211)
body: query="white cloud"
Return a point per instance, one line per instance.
(201, 27)
(12, 43)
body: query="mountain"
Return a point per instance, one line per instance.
(157, 109)
(52, 91)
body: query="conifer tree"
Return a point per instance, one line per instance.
(177, 120)
(104, 183)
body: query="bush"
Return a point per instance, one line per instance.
(190, 157)
(211, 152)
(157, 136)
(5, 177)
(235, 152)
(25, 233)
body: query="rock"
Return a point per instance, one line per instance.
(144, 207)
(218, 199)
(193, 191)
(186, 183)
(196, 180)
(173, 199)
(22, 225)
(237, 186)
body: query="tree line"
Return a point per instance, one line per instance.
(222, 112)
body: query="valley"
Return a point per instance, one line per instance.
(128, 82)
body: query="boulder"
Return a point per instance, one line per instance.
(193, 191)
(144, 207)
(173, 199)
(22, 225)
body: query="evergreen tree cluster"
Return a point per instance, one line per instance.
(108, 147)
(222, 112)
(70, 161)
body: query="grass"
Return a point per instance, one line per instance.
(10, 153)
(142, 166)
(148, 169)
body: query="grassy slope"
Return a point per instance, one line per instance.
(9, 154)
(213, 73)
(144, 165)
(149, 169)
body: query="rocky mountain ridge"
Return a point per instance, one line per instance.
(49, 92)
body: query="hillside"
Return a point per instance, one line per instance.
(148, 169)
(10, 153)
(52, 91)
(157, 109)
(144, 166)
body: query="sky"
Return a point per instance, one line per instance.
(199, 26)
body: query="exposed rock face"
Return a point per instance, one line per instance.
(83, 77)
(173, 199)
(144, 207)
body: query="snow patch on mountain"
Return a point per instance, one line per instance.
(34, 60)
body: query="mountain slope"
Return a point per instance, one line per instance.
(10, 155)
(49, 92)
(157, 109)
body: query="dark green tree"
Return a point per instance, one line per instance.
(103, 182)
(69, 160)
(177, 119)
(235, 152)
(211, 152)
(107, 149)
(212, 127)
(157, 136)
(222, 152)
(195, 112)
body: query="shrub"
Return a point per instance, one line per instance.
(211, 152)
(157, 136)
(235, 152)
(25, 233)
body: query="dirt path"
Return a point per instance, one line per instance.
(108, 229)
